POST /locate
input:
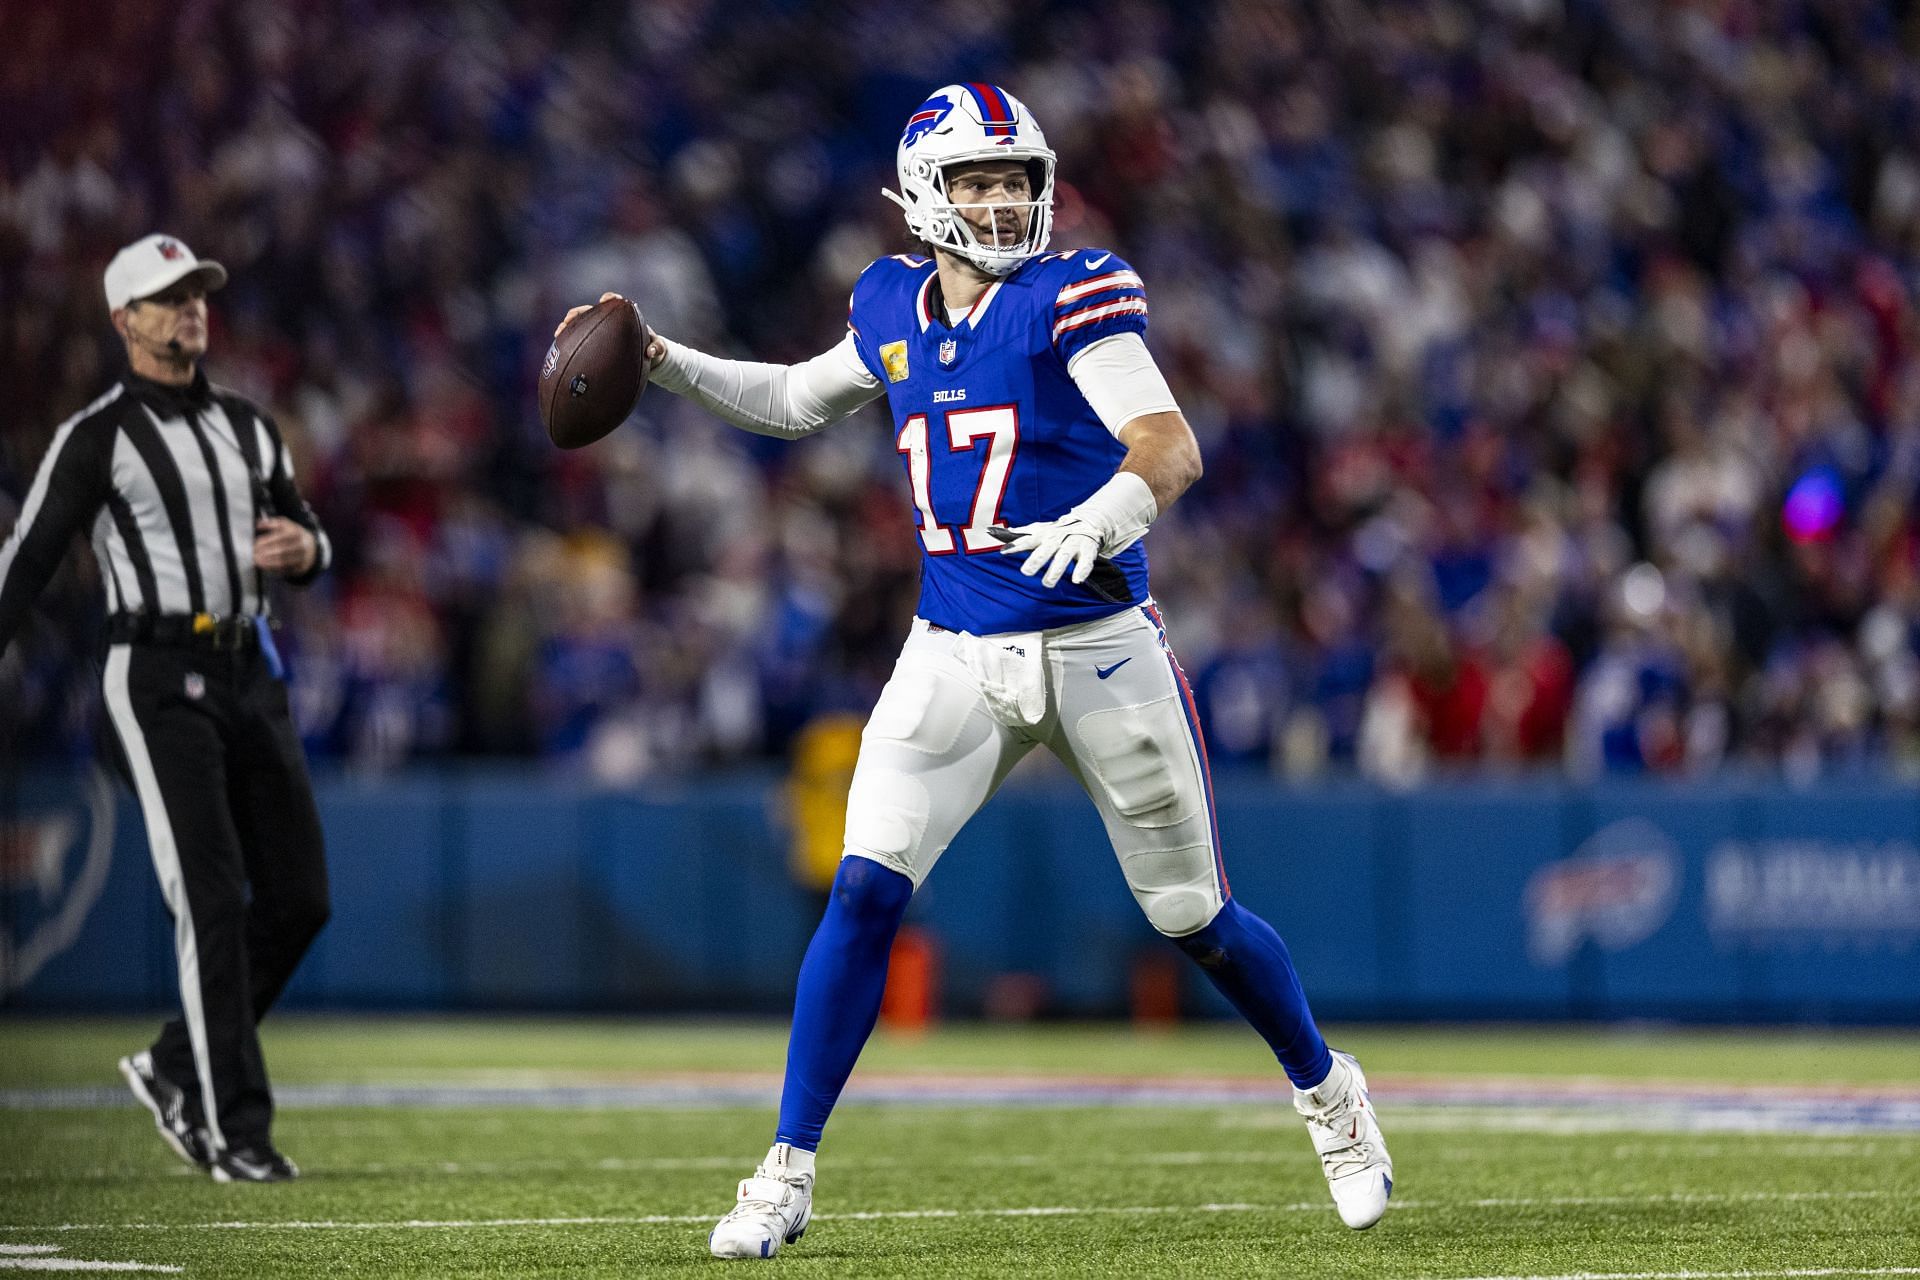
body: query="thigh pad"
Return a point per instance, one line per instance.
(922, 708)
(887, 816)
(1143, 760)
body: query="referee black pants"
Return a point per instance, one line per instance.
(210, 750)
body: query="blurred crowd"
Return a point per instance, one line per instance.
(1552, 359)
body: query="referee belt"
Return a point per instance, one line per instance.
(193, 630)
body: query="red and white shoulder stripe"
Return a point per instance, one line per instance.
(1119, 292)
(1098, 312)
(1111, 282)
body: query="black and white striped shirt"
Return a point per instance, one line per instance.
(168, 482)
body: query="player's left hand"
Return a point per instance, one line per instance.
(656, 350)
(281, 546)
(1055, 546)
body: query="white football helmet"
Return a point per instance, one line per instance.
(972, 122)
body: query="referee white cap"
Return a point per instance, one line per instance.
(149, 265)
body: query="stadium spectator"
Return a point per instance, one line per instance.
(1506, 299)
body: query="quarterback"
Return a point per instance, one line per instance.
(1039, 442)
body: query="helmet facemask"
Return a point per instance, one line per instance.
(995, 250)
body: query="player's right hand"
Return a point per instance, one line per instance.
(1053, 547)
(656, 350)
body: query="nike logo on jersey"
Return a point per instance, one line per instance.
(1104, 672)
(1094, 264)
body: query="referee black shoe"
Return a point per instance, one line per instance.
(168, 1103)
(254, 1164)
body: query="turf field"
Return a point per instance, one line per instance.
(537, 1148)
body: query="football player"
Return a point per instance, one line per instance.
(1039, 442)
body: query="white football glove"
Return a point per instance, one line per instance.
(1112, 519)
(1056, 545)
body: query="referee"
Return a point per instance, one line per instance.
(187, 494)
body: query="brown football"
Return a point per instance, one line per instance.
(593, 374)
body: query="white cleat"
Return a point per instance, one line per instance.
(774, 1207)
(1352, 1151)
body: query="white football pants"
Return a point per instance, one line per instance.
(1106, 697)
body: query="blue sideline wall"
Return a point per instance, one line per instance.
(1521, 900)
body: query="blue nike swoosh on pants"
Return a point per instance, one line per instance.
(1104, 672)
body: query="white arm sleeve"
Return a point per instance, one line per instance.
(1118, 377)
(788, 400)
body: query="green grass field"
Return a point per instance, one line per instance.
(607, 1149)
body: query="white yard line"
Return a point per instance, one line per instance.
(1741, 1121)
(79, 1264)
(1030, 1211)
(39, 1257)
(1716, 1275)
(1800, 1147)
(1673, 1197)
(679, 1219)
(660, 1164)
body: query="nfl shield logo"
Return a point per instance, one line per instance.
(196, 685)
(949, 352)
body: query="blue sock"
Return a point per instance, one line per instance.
(838, 998)
(1243, 957)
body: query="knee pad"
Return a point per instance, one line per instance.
(870, 894)
(1143, 760)
(1211, 946)
(1177, 888)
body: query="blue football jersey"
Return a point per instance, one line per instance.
(992, 431)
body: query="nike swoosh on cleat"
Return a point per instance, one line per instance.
(1104, 672)
(1094, 264)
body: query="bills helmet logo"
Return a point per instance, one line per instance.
(171, 250)
(926, 119)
